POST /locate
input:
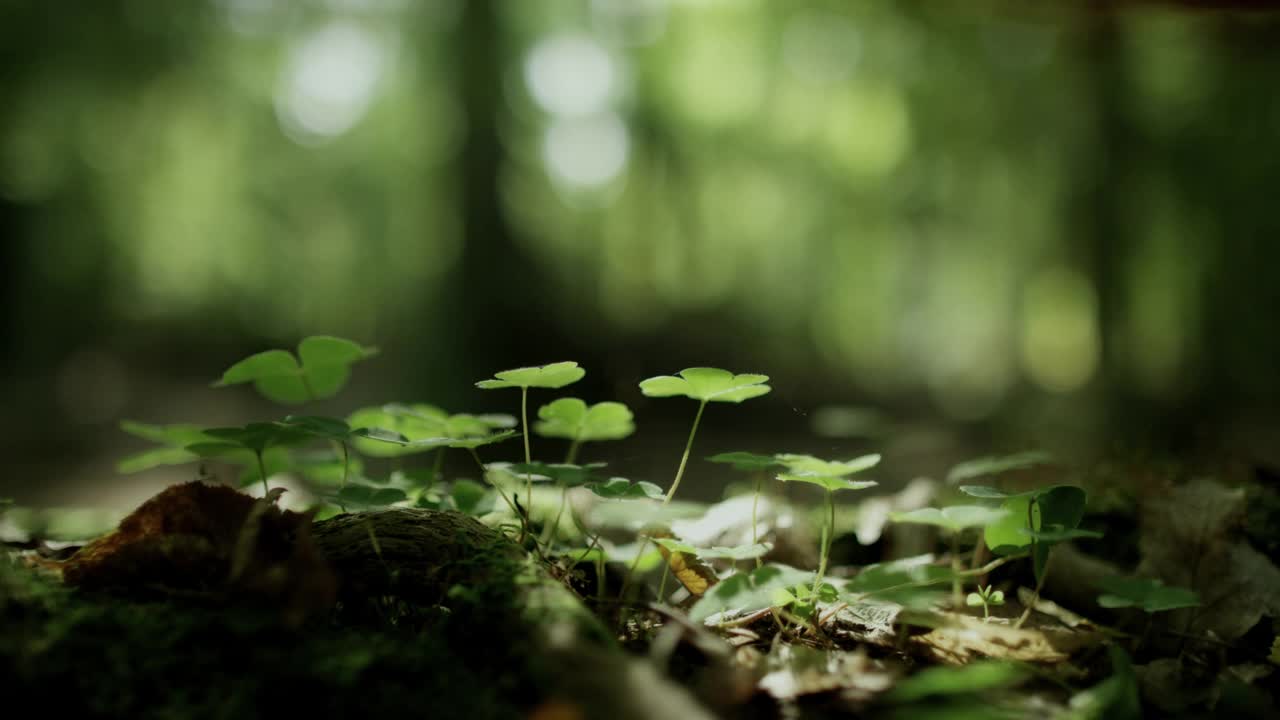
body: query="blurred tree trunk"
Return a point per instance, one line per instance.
(498, 288)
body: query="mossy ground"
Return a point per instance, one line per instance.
(72, 654)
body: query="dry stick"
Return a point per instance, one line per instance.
(684, 459)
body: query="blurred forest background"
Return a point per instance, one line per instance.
(944, 229)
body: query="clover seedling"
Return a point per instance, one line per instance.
(985, 597)
(1149, 595)
(1036, 520)
(704, 385)
(419, 423)
(955, 520)
(575, 421)
(555, 375)
(830, 476)
(319, 370)
(756, 464)
(565, 476)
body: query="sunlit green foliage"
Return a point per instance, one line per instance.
(318, 371)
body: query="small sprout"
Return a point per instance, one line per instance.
(319, 370)
(575, 421)
(748, 592)
(1149, 595)
(555, 375)
(803, 600)
(623, 489)
(830, 476)
(985, 597)
(704, 385)
(1036, 520)
(955, 519)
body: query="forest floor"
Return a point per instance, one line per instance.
(208, 603)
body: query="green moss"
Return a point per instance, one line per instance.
(66, 652)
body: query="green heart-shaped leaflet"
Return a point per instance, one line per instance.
(554, 375)
(319, 370)
(707, 385)
(572, 419)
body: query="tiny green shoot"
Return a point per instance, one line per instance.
(704, 385)
(985, 597)
(572, 419)
(319, 370)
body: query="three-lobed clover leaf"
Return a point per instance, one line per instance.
(707, 385)
(750, 591)
(827, 474)
(619, 488)
(1149, 594)
(426, 427)
(256, 437)
(573, 419)
(318, 371)
(328, 428)
(746, 461)
(954, 518)
(554, 375)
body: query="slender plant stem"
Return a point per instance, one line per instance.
(548, 533)
(828, 531)
(262, 472)
(572, 456)
(528, 458)
(346, 464)
(436, 467)
(755, 501)
(662, 585)
(684, 459)
(957, 587)
(484, 477)
(631, 571)
(1039, 586)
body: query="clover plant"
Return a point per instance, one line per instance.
(1035, 521)
(172, 439)
(552, 376)
(756, 464)
(955, 520)
(704, 385)
(577, 422)
(830, 476)
(319, 370)
(254, 439)
(985, 597)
